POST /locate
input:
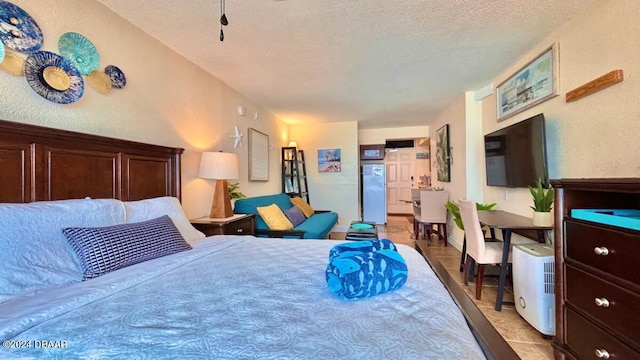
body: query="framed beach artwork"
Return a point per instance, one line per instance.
(329, 160)
(443, 156)
(536, 82)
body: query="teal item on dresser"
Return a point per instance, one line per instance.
(317, 226)
(626, 218)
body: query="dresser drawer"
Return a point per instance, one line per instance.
(585, 338)
(583, 240)
(241, 227)
(238, 225)
(622, 311)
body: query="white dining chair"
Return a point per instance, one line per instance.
(432, 212)
(478, 249)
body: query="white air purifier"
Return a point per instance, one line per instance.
(533, 286)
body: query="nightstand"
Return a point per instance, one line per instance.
(239, 224)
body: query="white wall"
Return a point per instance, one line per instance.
(455, 117)
(596, 136)
(378, 136)
(167, 101)
(337, 191)
(474, 147)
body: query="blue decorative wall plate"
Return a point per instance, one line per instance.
(54, 77)
(80, 51)
(18, 30)
(118, 80)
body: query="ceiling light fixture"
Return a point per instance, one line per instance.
(223, 19)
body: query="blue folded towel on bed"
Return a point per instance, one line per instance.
(354, 274)
(362, 246)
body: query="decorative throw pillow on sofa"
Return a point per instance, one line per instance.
(303, 205)
(295, 215)
(105, 249)
(274, 217)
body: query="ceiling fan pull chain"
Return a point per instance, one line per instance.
(223, 19)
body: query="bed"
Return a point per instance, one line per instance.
(228, 297)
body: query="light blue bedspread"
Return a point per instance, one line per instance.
(238, 297)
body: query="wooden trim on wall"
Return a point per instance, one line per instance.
(593, 86)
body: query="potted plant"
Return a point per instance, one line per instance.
(454, 209)
(234, 193)
(542, 204)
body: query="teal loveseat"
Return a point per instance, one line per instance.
(318, 226)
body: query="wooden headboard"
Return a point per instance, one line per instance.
(40, 163)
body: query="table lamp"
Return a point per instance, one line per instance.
(220, 166)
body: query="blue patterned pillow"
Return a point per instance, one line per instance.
(104, 249)
(295, 215)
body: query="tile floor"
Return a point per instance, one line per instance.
(522, 337)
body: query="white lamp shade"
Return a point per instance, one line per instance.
(219, 165)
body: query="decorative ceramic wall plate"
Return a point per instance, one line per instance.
(80, 51)
(54, 77)
(18, 30)
(99, 81)
(118, 80)
(13, 63)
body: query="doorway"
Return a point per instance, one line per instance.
(400, 166)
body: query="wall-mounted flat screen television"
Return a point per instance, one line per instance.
(516, 156)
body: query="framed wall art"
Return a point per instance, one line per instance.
(443, 155)
(258, 156)
(536, 82)
(372, 152)
(329, 160)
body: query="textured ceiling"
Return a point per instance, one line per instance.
(381, 63)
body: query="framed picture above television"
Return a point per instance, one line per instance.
(536, 82)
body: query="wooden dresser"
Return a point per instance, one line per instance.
(597, 272)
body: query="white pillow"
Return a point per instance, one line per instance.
(34, 254)
(143, 210)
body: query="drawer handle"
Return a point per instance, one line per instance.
(602, 302)
(601, 250)
(602, 354)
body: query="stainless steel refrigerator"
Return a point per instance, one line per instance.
(374, 193)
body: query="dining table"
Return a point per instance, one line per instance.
(507, 223)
